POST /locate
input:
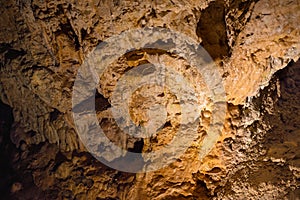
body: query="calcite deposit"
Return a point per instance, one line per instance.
(255, 46)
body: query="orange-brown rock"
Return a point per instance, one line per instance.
(255, 46)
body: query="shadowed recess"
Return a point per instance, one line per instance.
(211, 28)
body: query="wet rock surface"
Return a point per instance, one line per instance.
(255, 45)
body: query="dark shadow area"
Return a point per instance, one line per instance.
(211, 28)
(277, 134)
(6, 149)
(283, 140)
(138, 146)
(101, 103)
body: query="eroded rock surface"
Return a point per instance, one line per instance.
(255, 45)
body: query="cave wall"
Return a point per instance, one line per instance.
(255, 45)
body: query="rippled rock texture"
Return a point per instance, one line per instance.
(255, 45)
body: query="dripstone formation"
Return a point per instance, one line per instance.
(255, 45)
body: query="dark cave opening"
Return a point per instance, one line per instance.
(211, 28)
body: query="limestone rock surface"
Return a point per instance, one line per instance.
(255, 45)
